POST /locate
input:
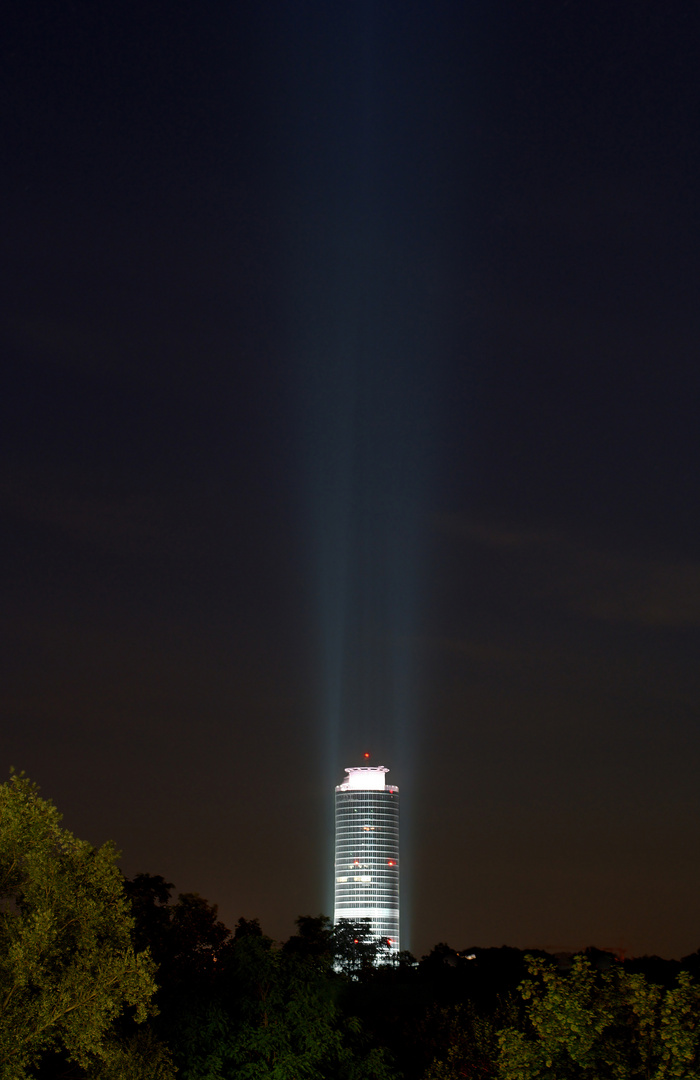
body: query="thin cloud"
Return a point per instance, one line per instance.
(131, 523)
(645, 592)
(493, 534)
(598, 582)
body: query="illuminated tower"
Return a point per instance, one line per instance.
(367, 852)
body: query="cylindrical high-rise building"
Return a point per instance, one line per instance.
(367, 852)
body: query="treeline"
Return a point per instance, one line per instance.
(115, 979)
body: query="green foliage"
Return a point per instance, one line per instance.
(354, 947)
(314, 940)
(185, 938)
(149, 895)
(140, 1056)
(602, 1024)
(679, 1029)
(271, 1016)
(67, 966)
(468, 1042)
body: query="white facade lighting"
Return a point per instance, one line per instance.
(367, 853)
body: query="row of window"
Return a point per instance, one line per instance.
(372, 806)
(362, 837)
(388, 867)
(350, 902)
(366, 896)
(369, 840)
(371, 853)
(348, 836)
(367, 862)
(351, 817)
(382, 878)
(349, 881)
(389, 821)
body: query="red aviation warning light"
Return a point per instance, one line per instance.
(366, 755)
(391, 862)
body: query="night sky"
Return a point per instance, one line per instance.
(349, 402)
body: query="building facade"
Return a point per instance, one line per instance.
(367, 852)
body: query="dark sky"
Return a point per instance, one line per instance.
(350, 401)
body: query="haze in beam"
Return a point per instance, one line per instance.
(359, 161)
(361, 258)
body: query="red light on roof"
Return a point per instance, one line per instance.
(366, 754)
(356, 941)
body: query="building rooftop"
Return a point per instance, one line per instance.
(365, 778)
